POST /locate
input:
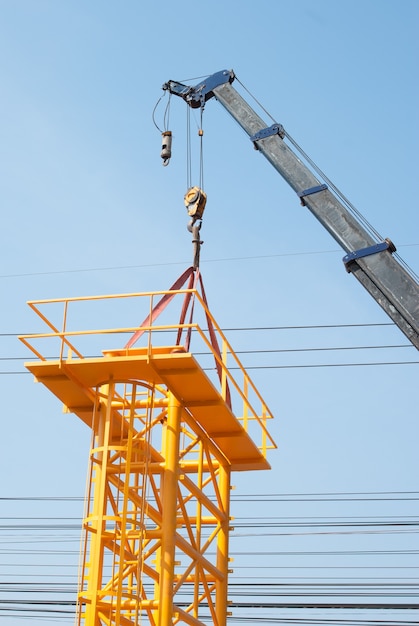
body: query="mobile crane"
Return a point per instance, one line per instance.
(370, 260)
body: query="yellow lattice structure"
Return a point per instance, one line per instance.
(168, 428)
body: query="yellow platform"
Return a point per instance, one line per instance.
(74, 381)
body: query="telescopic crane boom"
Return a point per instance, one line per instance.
(370, 261)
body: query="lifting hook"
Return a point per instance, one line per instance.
(195, 200)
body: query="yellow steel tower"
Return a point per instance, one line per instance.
(168, 428)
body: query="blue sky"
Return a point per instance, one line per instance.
(87, 209)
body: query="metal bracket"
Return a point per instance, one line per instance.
(275, 129)
(349, 258)
(311, 190)
(197, 96)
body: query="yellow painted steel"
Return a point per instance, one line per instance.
(169, 507)
(167, 432)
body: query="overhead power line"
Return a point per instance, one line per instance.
(172, 263)
(263, 328)
(273, 367)
(271, 351)
(267, 497)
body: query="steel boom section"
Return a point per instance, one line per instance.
(381, 274)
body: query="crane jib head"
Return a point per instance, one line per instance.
(198, 95)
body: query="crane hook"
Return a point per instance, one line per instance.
(195, 200)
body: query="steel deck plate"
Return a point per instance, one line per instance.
(75, 381)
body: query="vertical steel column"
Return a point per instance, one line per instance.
(169, 504)
(98, 521)
(224, 487)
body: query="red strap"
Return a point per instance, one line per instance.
(194, 275)
(191, 285)
(160, 306)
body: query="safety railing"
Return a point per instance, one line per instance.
(73, 333)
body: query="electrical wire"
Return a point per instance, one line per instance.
(276, 367)
(304, 350)
(271, 351)
(336, 496)
(269, 328)
(278, 351)
(172, 263)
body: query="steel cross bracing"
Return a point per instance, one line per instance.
(165, 438)
(157, 526)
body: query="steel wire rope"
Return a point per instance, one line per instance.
(375, 234)
(188, 149)
(349, 205)
(353, 210)
(201, 149)
(154, 111)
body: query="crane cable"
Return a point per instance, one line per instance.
(166, 148)
(318, 171)
(351, 208)
(201, 149)
(195, 198)
(189, 148)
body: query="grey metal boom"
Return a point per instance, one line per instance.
(372, 263)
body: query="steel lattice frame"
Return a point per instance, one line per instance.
(157, 521)
(165, 438)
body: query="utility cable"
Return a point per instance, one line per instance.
(171, 263)
(276, 367)
(269, 328)
(271, 351)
